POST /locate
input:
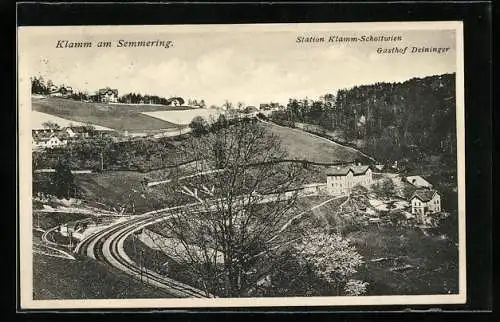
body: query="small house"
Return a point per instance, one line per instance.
(63, 91)
(47, 142)
(175, 101)
(107, 95)
(425, 201)
(78, 131)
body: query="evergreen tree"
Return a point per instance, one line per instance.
(63, 181)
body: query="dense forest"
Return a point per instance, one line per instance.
(411, 121)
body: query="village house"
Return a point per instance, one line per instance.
(107, 95)
(46, 132)
(418, 182)
(341, 179)
(47, 142)
(425, 201)
(74, 132)
(63, 91)
(175, 101)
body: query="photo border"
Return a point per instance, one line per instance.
(461, 192)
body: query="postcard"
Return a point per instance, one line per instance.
(249, 165)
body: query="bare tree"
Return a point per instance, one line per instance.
(243, 201)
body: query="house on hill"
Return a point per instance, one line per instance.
(37, 132)
(341, 179)
(425, 201)
(418, 182)
(175, 101)
(80, 131)
(47, 142)
(106, 95)
(63, 91)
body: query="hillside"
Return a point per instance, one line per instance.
(301, 145)
(413, 120)
(57, 278)
(121, 117)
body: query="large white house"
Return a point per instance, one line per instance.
(341, 179)
(425, 201)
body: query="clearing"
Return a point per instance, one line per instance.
(184, 117)
(120, 117)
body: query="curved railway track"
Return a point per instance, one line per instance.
(107, 246)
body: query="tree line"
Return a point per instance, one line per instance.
(44, 87)
(411, 120)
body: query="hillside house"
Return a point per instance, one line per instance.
(47, 142)
(418, 182)
(63, 91)
(341, 179)
(46, 132)
(107, 95)
(425, 201)
(175, 101)
(74, 132)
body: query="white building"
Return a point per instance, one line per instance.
(48, 142)
(425, 201)
(340, 180)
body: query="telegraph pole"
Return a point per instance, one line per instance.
(70, 235)
(140, 262)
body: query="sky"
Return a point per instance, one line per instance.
(239, 63)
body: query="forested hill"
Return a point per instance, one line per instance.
(412, 120)
(403, 119)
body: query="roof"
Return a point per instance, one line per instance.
(418, 181)
(45, 138)
(80, 129)
(103, 91)
(344, 170)
(424, 194)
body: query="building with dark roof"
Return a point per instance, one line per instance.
(106, 95)
(425, 201)
(62, 91)
(341, 179)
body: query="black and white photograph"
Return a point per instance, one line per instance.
(303, 164)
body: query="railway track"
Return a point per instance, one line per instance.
(107, 246)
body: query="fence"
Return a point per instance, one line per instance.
(72, 171)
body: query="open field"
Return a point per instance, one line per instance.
(183, 117)
(302, 145)
(121, 117)
(58, 278)
(38, 118)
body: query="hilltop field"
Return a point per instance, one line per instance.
(120, 117)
